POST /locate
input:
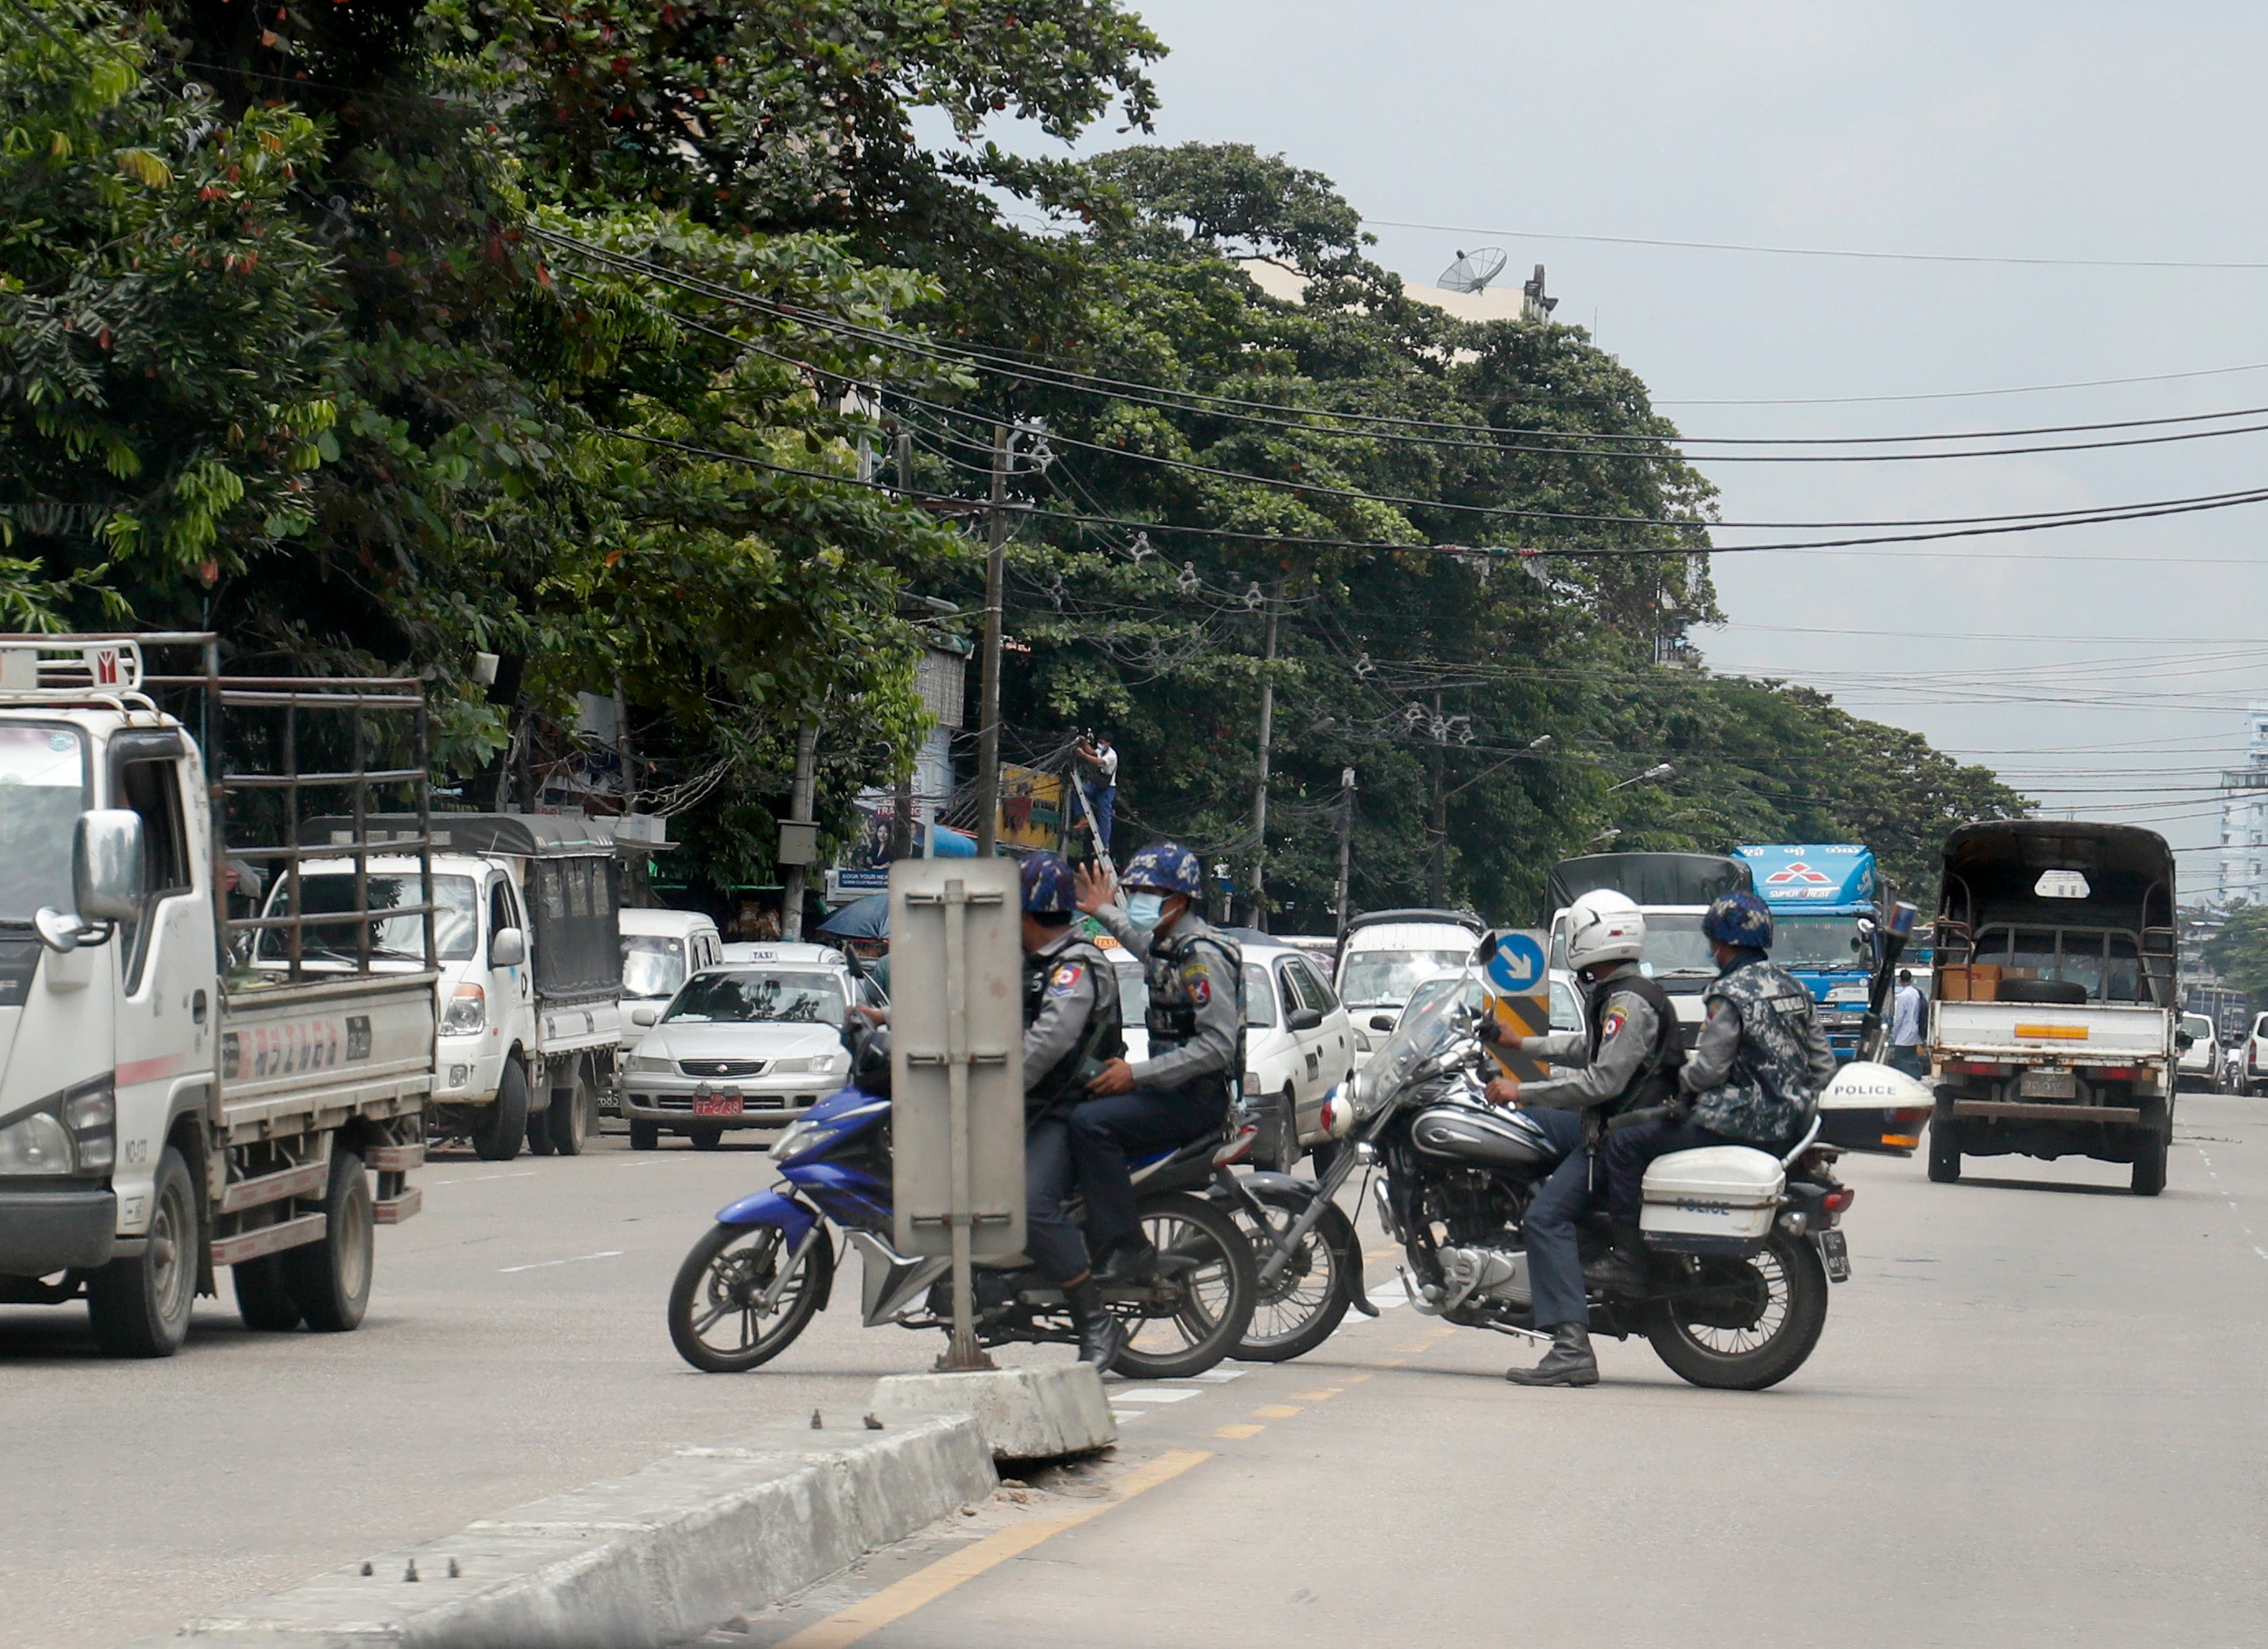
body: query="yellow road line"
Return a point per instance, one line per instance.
(1357, 1380)
(1380, 1254)
(1238, 1433)
(895, 1602)
(1275, 1411)
(1324, 1396)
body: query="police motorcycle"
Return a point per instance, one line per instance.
(1741, 1243)
(1307, 1257)
(754, 1281)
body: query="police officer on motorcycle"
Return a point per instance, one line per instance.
(1071, 1030)
(1196, 977)
(1755, 1076)
(1627, 1057)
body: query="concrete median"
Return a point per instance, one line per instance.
(651, 1559)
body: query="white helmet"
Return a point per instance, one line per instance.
(1604, 926)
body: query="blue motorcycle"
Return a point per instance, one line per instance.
(755, 1280)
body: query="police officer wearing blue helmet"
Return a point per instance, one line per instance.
(1755, 1076)
(1180, 1093)
(1071, 1030)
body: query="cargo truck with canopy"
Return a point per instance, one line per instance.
(2054, 1021)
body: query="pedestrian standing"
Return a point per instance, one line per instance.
(1905, 1027)
(1100, 785)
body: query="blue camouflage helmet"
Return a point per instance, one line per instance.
(1165, 867)
(1047, 886)
(1739, 918)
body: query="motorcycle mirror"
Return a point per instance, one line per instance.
(1485, 953)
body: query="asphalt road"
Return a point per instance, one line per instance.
(2036, 1416)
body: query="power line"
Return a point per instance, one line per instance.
(1955, 394)
(1829, 252)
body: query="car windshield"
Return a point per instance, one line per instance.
(759, 998)
(1824, 944)
(456, 927)
(651, 966)
(1387, 979)
(42, 790)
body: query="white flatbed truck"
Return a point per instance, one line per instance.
(165, 1110)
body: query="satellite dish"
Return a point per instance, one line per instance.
(1473, 270)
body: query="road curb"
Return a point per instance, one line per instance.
(645, 1561)
(1041, 1411)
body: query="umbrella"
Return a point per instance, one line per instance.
(864, 918)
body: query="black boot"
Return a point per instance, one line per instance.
(1101, 1336)
(1622, 1268)
(1568, 1363)
(1133, 1260)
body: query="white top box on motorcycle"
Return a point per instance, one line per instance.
(1730, 1193)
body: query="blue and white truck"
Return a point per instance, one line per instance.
(1818, 895)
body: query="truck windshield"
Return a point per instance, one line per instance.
(1820, 943)
(1675, 944)
(1387, 979)
(42, 788)
(652, 967)
(746, 998)
(392, 938)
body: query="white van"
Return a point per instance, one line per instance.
(1384, 955)
(661, 950)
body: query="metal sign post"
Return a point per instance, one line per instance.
(957, 1030)
(1519, 986)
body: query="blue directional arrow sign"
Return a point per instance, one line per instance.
(1517, 968)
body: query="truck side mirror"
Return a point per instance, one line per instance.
(507, 948)
(108, 883)
(644, 1016)
(2184, 1042)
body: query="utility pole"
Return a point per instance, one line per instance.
(798, 844)
(1260, 789)
(902, 815)
(987, 731)
(1437, 873)
(1346, 843)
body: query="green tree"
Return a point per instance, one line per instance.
(2239, 952)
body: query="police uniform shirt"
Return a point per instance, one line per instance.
(1628, 1027)
(1066, 1003)
(1198, 974)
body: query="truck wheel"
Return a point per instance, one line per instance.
(330, 1279)
(645, 1136)
(2150, 1152)
(263, 1300)
(139, 1305)
(1944, 1147)
(500, 1126)
(574, 1114)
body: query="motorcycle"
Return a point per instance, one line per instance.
(1308, 1259)
(754, 1282)
(1741, 1244)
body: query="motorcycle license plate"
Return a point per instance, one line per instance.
(715, 1105)
(1836, 1253)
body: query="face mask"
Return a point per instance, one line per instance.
(1143, 910)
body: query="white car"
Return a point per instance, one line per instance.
(661, 950)
(1386, 955)
(2252, 1075)
(2198, 1066)
(744, 1045)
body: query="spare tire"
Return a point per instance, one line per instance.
(2065, 993)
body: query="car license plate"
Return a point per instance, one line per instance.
(2048, 1085)
(1837, 1254)
(715, 1105)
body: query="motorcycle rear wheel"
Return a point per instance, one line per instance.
(1787, 1287)
(1308, 1300)
(719, 1284)
(1208, 1261)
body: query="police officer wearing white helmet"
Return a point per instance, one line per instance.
(1628, 1056)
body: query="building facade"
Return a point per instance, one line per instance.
(2244, 819)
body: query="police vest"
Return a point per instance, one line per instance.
(1766, 1098)
(1103, 1040)
(1172, 1019)
(1657, 1079)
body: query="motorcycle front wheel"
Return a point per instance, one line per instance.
(718, 1318)
(1305, 1305)
(1744, 1324)
(1197, 1311)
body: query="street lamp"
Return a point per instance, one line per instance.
(1606, 837)
(1662, 772)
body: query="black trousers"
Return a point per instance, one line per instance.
(1555, 1262)
(1629, 1152)
(1105, 1133)
(1050, 1237)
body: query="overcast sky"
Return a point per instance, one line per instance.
(2115, 657)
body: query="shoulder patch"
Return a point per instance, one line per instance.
(1065, 979)
(1610, 1026)
(1196, 979)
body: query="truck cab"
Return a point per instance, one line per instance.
(1820, 895)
